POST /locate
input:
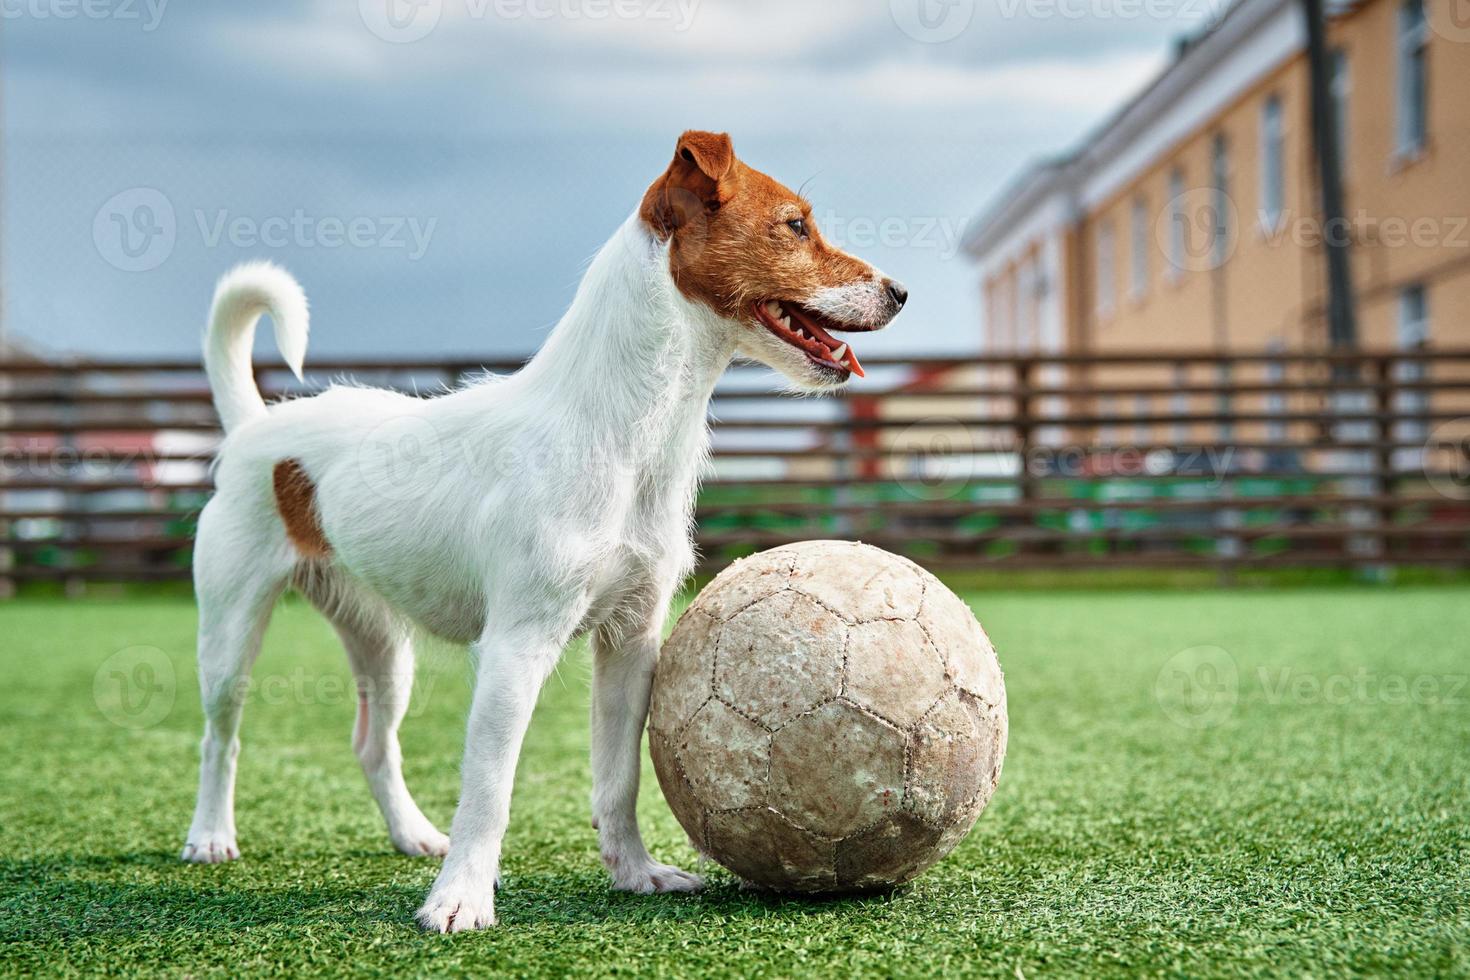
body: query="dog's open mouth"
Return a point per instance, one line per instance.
(806, 330)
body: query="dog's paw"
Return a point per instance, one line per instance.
(210, 849)
(647, 877)
(424, 841)
(452, 909)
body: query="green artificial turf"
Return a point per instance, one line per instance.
(1310, 818)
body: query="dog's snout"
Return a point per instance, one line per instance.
(898, 294)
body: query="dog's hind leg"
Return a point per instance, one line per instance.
(237, 578)
(379, 646)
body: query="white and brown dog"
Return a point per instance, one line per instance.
(579, 523)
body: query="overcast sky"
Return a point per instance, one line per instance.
(438, 172)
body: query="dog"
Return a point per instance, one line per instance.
(514, 513)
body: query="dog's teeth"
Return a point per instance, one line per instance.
(786, 322)
(839, 353)
(773, 308)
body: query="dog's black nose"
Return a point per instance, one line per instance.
(898, 294)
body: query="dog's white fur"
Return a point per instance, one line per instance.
(512, 514)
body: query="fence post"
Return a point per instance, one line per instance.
(7, 555)
(1025, 482)
(74, 576)
(1387, 483)
(1024, 425)
(1230, 547)
(1358, 479)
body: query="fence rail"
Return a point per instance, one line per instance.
(1187, 460)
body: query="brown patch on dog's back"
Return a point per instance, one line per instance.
(296, 502)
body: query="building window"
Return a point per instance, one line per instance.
(1221, 206)
(991, 323)
(1342, 92)
(1276, 399)
(1142, 431)
(1413, 318)
(1107, 411)
(1413, 106)
(1273, 170)
(1013, 310)
(1105, 270)
(1224, 405)
(1413, 335)
(1026, 307)
(1178, 224)
(1179, 402)
(1139, 263)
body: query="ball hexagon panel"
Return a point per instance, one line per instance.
(859, 581)
(779, 658)
(765, 848)
(893, 670)
(688, 664)
(888, 853)
(681, 796)
(836, 769)
(747, 581)
(951, 757)
(968, 653)
(725, 757)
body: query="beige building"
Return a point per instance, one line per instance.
(1190, 220)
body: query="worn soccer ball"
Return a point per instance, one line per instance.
(827, 717)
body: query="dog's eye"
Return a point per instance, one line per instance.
(798, 226)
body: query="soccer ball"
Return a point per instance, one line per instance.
(827, 717)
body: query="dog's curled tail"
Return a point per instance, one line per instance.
(243, 294)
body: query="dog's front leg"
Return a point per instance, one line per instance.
(511, 670)
(622, 676)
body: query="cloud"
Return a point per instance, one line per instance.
(322, 50)
(889, 99)
(1074, 85)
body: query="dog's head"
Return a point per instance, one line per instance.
(746, 247)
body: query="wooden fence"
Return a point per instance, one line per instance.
(1106, 461)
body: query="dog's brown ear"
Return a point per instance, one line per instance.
(698, 180)
(710, 153)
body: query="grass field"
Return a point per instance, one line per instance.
(1304, 812)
